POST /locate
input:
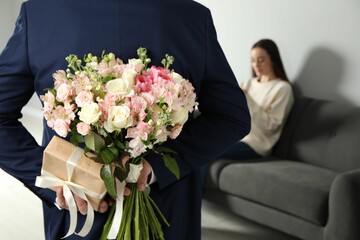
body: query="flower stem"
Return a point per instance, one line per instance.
(107, 225)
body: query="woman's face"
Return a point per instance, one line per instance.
(261, 62)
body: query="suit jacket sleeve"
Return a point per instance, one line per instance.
(20, 155)
(224, 117)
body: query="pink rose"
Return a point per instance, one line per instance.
(61, 128)
(63, 92)
(83, 128)
(84, 98)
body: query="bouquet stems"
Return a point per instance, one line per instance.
(140, 218)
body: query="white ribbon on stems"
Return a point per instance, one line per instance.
(48, 180)
(132, 177)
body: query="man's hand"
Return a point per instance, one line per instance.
(81, 203)
(144, 176)
(104, 204)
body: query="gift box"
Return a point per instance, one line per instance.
(58, 158)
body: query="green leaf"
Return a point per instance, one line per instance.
(107, 156)
(76, 139)
(107, 78)
(115, 151)
(108, 178)
(94, 142)
(172, 165)
(93, 157)
(122, 173)
(120, 144)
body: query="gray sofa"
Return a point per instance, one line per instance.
(310, 186)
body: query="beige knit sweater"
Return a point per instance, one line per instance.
(269, 105)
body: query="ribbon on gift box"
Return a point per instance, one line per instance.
(132, 177)
(48, 180)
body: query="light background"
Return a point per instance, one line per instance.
(318, 41)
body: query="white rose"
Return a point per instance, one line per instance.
(124, 85)
(180, 116)
(90, 113)
(129, 75)
(118, 118)
(137, 64)
(176, 77)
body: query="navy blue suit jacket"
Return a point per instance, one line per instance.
(49, 30)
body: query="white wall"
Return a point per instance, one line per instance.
(319, 41)
(9, 11)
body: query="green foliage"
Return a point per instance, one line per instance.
(76, 138)
(121, 172)
(172, 165)
(108, 156)
(108, 178)
(94, 142)
(167, 61)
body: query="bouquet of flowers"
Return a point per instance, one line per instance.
(115, 108)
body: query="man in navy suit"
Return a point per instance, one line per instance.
(49, 30)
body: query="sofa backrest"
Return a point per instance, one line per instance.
(322, 133)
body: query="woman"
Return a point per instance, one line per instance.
(270, 98)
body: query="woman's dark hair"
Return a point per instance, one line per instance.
(270, 47)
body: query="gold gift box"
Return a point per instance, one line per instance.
(86, 171)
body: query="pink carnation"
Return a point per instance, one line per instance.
(159, 73)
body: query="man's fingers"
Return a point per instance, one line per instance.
(127, 192)
(60, 199)
(143, 178)
(103, 207)
(81, 205)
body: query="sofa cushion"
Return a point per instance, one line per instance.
(293, 187)
(282, 147)
(322, 133)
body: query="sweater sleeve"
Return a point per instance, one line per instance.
(270, 118)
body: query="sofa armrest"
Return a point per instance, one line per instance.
(344, 207)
